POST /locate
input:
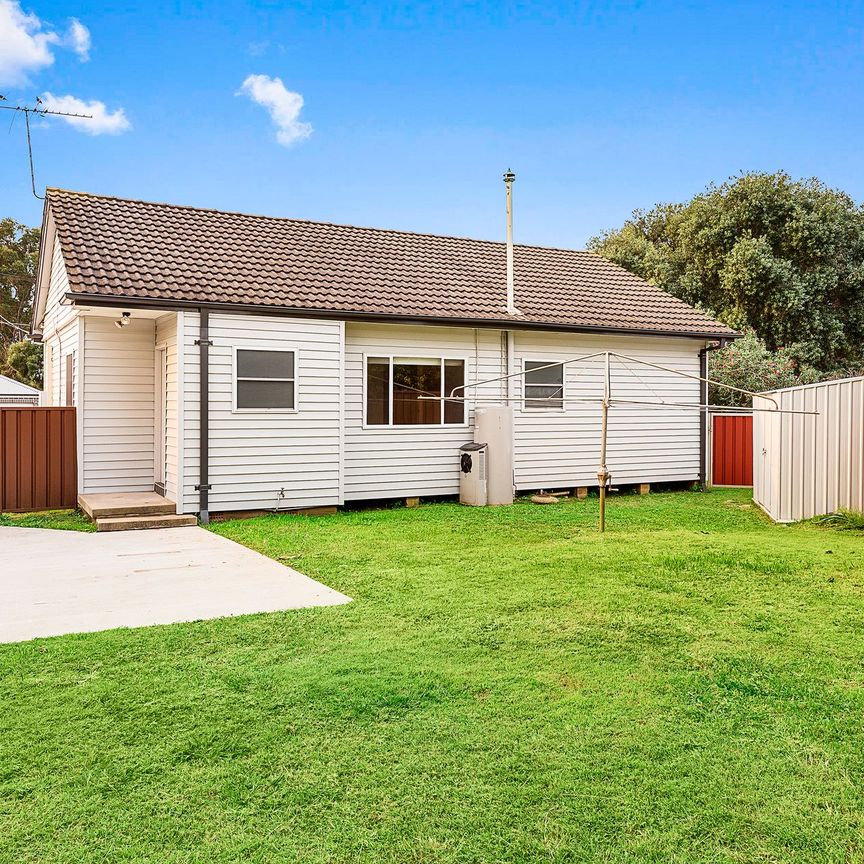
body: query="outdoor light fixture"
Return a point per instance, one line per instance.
(123, 320)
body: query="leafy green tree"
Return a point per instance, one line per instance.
(24, 363)
(781, 257)
(19, 251)
(747, 363)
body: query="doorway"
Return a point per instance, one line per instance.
(160, 419)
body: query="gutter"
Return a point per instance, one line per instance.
(81, 299)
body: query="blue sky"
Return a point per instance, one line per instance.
(417, 109)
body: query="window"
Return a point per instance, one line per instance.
(264, 380)
(394, 386)
(544, 387)
(69, 379)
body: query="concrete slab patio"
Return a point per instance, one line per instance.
(56, 582)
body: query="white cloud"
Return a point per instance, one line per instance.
(24, 46)
(103, 122)
(78, 39)
(281, 104)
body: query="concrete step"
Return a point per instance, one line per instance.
(109, 504)
(132, 523)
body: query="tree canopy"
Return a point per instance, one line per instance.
(765, 253)
(19, 251)
(23, 362)
(748, 364)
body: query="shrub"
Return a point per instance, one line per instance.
(747, 363)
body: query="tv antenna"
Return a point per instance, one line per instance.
(39, 111)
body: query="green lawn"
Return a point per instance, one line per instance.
(64, 520)
(506, 686)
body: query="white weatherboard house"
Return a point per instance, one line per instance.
(234, 362)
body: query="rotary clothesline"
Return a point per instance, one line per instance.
(608, 400)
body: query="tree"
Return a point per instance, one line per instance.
(24, 363)
(783, 258)
(747, 363)
(19, 251)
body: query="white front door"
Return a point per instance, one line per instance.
(159, 421)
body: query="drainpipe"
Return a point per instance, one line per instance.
(204, 342)
(703, 414)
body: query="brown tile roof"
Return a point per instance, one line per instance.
(135, 249)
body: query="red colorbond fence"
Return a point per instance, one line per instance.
(38, 459)
(732, 450)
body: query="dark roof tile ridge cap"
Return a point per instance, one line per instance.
(397, 231)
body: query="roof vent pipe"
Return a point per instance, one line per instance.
(509, 177)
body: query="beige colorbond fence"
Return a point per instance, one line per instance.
(805, 465)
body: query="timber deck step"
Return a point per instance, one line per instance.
(109, 504)
(135, 523)
(130, 511)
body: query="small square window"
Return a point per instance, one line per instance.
(544, 384)
(264, 380)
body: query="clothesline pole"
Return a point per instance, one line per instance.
(602, 470)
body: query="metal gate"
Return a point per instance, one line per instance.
(38, 459)
(731, 449)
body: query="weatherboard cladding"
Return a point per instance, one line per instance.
(139, 250)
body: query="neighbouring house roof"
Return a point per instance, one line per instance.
(11, 387)
(138, 250)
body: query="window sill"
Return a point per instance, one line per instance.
(418, 427)
(265, 411)
(543, 410)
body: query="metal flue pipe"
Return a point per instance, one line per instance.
(509, 177)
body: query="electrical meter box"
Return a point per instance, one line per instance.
(472, 474)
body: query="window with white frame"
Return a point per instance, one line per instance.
(265, 379)
(544, 384)
(394, 386)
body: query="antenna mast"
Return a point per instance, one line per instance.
(27, 111)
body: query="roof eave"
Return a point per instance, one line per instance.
(124, 301)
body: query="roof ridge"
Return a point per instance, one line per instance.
(145, 250)
(294, 219)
